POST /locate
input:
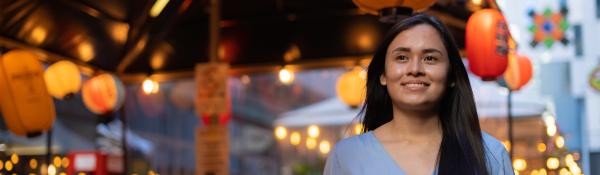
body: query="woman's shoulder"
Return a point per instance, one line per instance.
(496, 154)
(350, 154)
(491, 142)
(352, 143)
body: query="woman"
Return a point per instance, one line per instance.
(419, 113)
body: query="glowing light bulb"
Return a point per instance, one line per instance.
(324, 147)
(150, 86)
(286, 76)
(311, 143)
(313, 131)
(552, 163)
(519, 164)
(295, 138)
(280, 132)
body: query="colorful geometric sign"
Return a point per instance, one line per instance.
(548, 27)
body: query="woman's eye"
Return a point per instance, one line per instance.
(402, 58)
(429, 58)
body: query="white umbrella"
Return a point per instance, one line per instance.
(489, 97)
(328, 112)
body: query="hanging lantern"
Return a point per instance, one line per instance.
(350, 87)
(103, 93)
(487, 44)
(519, 71)
(27, 107)
(375, 6)
(390, 10)
(63, 79)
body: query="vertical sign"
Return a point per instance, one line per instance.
(212, 105)
(212, 150)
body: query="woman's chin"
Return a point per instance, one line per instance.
(415, 104)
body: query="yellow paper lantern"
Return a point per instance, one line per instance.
(27, 107)
(103, 93)
(350, 87)
(62, 79)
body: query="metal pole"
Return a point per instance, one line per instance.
(48, 147)
(124, 138)
(510, 125)
(214, 30)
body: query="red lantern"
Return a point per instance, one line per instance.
(519, 71)
(103, 93)
(27, 107)
(487, 44)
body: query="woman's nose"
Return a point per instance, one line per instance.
(415, 67)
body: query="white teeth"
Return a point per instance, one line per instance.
(415, 85)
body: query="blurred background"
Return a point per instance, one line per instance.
(269, 86)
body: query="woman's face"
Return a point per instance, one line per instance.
(416, 67)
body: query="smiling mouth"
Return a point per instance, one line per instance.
(415, 84)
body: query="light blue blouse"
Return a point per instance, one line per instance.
(363, 154)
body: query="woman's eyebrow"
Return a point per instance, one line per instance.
(401, 49)
(431, 50)
(428, 50)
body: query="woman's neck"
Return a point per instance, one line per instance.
(412, 125)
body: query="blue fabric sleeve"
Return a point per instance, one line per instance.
(332, 165)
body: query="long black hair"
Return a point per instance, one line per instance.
(462, 148)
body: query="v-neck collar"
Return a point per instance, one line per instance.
(378, 146)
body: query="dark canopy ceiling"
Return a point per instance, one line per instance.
(253, 32)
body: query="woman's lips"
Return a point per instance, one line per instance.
(415, 85)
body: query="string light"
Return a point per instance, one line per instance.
(150, 86)
(33, 163)
(295, 138)
(65, 162)
(541, 147)
(520, 164)
(286, 76)
(324, 147)
(358, 128)
(280, 132)
(552, 163)
(560, 141)
(313, 131)
(14, 158)
(51, 170)
(8, 166)
(311, 143)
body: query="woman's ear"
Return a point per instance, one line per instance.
(382, 80)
